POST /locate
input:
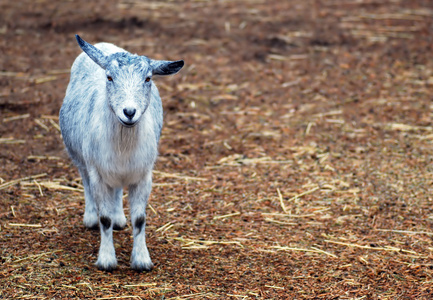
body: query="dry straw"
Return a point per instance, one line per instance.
(15, 181)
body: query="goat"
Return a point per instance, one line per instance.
(111, 120)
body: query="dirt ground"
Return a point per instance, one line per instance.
(295, 158)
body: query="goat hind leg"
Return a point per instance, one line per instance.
(90, 218)
(119, 220)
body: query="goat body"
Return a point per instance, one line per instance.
(111, 121)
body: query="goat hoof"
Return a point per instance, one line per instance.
(107, 267)
(118, 226)
(142, 267)
(91, 221)
(92, 226)
(119, 221)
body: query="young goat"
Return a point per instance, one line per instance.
(111, 121)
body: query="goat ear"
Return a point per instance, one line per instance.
(164, 67)
(94, 53)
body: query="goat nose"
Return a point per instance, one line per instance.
(129, 112)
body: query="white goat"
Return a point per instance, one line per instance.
(111, 121)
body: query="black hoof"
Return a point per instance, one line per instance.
(142, 267)
(108, 268)
(93, 227)
(118, 227)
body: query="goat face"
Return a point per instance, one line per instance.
(128, 87)
(129, 83)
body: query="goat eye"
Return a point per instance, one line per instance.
(147, 79)
(109, 78)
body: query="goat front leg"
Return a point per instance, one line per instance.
(107, 256)
(138, 196)
(105, 198)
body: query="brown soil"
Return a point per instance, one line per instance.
(295, 159)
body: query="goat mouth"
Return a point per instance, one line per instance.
(127, 124)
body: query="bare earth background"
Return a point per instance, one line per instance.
(295, 160)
